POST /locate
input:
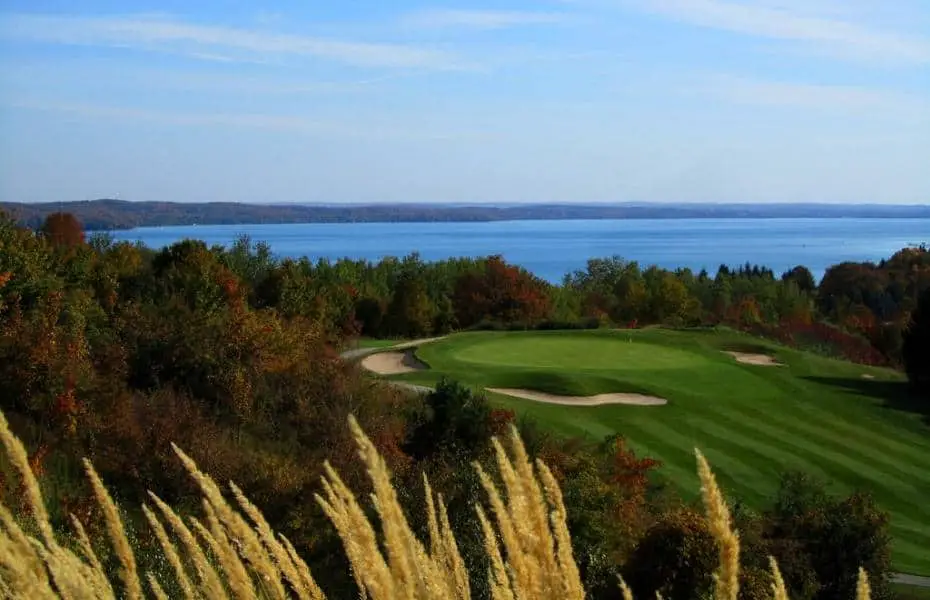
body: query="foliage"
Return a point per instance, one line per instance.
(62, 230)
(114, 351)
(916, 347)
(123, 214)
(829, 534)
(802, 278)
(500, 293)
(456, 421)
(235, 550)
(676, 557)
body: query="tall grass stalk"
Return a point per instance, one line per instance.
(726, 579)
(233, 552)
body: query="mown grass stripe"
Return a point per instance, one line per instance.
(865, 453)
(753, 421)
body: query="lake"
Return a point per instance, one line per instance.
(550, 249)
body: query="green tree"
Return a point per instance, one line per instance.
(836, 536)
(802, 277)
(456, 419)
(410, 313)
(668, 296)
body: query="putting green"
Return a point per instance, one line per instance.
(815, 414)
(580, 352)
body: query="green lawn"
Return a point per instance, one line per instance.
(910, 592)
(752, 422)
(376, 343)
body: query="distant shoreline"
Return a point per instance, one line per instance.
(103, 215)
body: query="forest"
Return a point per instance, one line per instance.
(109, 214)
(114, 351)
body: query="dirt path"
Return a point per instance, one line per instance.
(598, 400)
(363, 352)
(915, 580)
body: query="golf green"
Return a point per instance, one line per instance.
(580, 352)
(845, 423)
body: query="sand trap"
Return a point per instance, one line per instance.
(599, 400)
(393, 363)
(867, 376)
(760, 360)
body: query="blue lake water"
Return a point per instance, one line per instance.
(551, 249)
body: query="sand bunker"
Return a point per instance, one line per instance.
(393, 363)
(599, 400)
(760, 360)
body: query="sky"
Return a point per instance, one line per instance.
(371, 101)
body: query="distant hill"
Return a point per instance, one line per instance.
(122, 214)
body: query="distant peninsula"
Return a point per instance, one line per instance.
(107, 214)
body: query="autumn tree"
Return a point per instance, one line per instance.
(63, 230)
(500, 293)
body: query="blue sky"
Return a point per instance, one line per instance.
(559, 101)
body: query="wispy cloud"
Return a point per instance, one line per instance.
(481, 19)
(158, 33)
(294, 124)
(817, 24)
(794, 95)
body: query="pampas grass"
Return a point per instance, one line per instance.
(232, 552)
(726, 579)
(863, 590)
(127, 559)
(778, 584)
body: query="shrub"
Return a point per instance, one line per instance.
(833, 536)
(676, 558)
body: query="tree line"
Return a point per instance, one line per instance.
(112, 351)
(109, 214)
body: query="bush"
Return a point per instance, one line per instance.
(457, 420)
(834, 535)
(525, 539)
(676, 557)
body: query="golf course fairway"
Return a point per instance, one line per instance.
(844, 423)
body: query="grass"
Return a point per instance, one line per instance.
(374, 343)
(232, 551)
(525, 532)
(910, 592)
(814, 414)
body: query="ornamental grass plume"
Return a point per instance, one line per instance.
(863, 589)
(128, 571)
(532, 522)
(726, 579)
(232, 552)
(778, 583)
(405, 568)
